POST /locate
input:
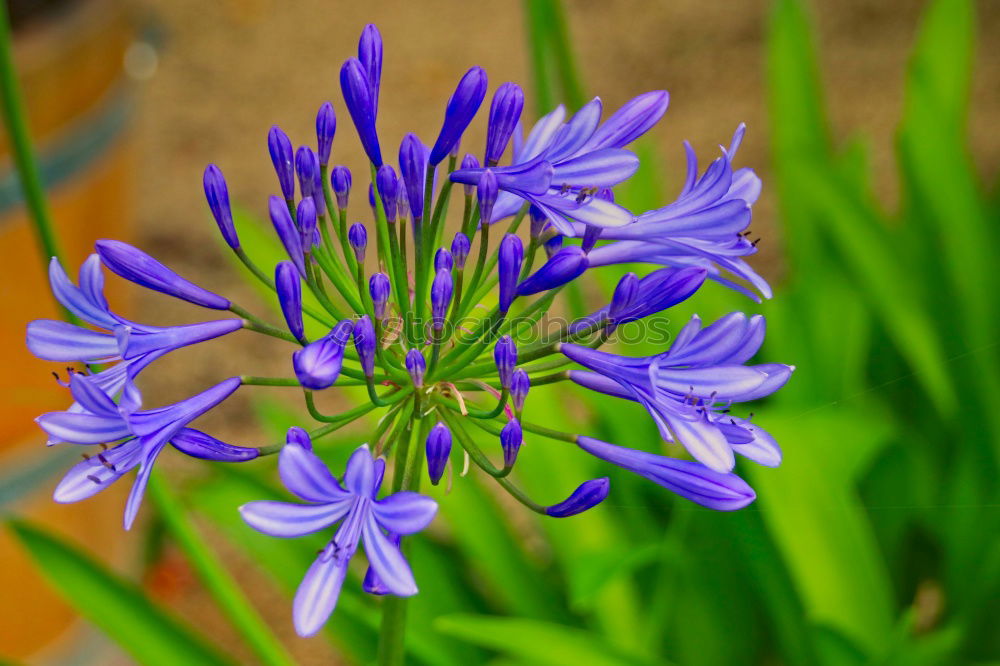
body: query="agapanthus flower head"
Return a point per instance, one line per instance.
(340, 183)
(217, 195)
(438, 448)
(326, 128)
(362, 517)
(318, 364)
(461, 108)
(280, 148)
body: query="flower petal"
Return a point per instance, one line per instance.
(600, 168)
(141, 481)
(83, 428)
(318, 592)
(387, 561)
(404, 512)
(307, 476)
(359, 478)
(61, 341)
(285, 519)
(89, 477)
(74, 299)
(704, 441)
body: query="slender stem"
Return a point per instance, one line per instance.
(269, 381)
(227, 594)
(253, 323)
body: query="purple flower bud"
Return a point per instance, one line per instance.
(443, 260)
(318, 197)
(371, 197)
(370, 55)
(305, 216)
(388, 186)
(505, 356)
(340, 183)
(487, 192)
(441, 292)
(378, 287)
(511, 254)
(624, 295)
(358, 97)
(438, 450)
(306, 167)
(357, 236)
(416, 366)
(290, 236)
(218, 202)
(590, 236)
(469, 162)
(136, 266)
(565, 266)
(462, 107)
(197, 444)
(317, 365)
(587, 496)
(553, 246)
(520, 384)
(280, 148)
(402, 203)
(460, 247)
(300, 437)
(326, 127)
(289, 287)
(538, 221)
(413, 168)
(510, 441)
(364, 343)
(505, 111)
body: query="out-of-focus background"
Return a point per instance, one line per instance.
(873, 126)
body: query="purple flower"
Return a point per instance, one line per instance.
(370, 56)
(462, 107)
(505, 112)
(217, 195)
(438, 448)
(511, 438)
(280, 148)
(511, 254)
(588, 495)
(326, 128)
(564, 266)
(416, 366)
(364, 343)
(362, 519)
(460, 247)
(317, 365)
(635, 299)
(691, 480)
(443, 260)
(340, 183)
(357, 236)
(355, 85)
(441, 293)
(688, 388)
(136, 266)
(305, 217)
(307, 168)
(99, 420)
(520, 384)
(288, 233)
(505, 357)
(413, 169)
(378, 287)
(288, 285)
(705, 226)
(388, 185)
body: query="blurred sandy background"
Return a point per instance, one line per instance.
(226, 71)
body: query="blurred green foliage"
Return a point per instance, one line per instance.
(874, 543)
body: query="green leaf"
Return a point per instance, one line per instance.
(534, 640)
(119, 608)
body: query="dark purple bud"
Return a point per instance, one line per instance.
(326, 127)
(197, 444)
(289, 235)
(462, 107)
(624, 295)
(306, 167)
(443, 260)
(317, 365)
(510, 441)
(520, 384)
(299, 436)
(538, 221)
(305, 217)
(460, 247)
(357, 236)
(340, 183)
(364, 343)
(553, 245)
(371, 197)
(358, 97)
(218, 202)
(378, 287)
(587, 496)
(441, 292)
(487, 192)
(511, 254)
(288, 284)
(370, 55)
(505, 356)
(590, 236)
(388, 186)
(505, 111)
(565, 266)
(402, 203)
(438, 450)
(136, 266)
(416, 366)
(413, 169)
(280, 148)
(469, 162)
